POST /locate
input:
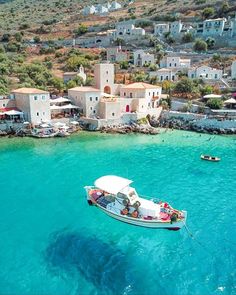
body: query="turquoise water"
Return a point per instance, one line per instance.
(52, 242)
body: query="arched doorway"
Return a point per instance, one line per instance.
(127, 108)
(107, 89)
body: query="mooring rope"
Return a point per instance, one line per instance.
(194, 238)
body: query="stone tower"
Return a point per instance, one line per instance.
(104, 77)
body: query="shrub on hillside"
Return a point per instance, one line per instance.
(215, 103)
(200, 45)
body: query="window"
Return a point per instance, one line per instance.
(4, 105)
(113, 114)
(107, 72)
(91, 108)
(131, 95)
(153, 94)
(124, 93)
(175, 64)
(107, 81)
(35, 97)
(43, 97)
(170, 64)
(91, 99)
(37, 114)
(161, 78)
(94, 111)
(216, 76)
(44, 113)
(96, 98)
(149, 93)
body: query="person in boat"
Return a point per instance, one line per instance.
(125, 211)
(134, 214)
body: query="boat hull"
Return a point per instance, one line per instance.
(146, 223)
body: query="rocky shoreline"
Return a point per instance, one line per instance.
(132, 128)
(181, 124)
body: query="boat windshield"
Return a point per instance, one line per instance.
(130, 194)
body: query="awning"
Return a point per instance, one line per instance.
(59, 100)
(60, 124)
(69, 106)
(74, 122)
(212, 96)
(229, 101)
(54, 107)
(13, 113)
(112, 184)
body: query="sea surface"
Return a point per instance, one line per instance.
(52, 242)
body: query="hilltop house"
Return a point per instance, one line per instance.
(165, 74)
(175, 62)
(170, 67)
(126, 31)
(89, 10)
(117, 54)
(220, 27)
(142, 58)
(101, 9)
(176, 29)
(205, 72)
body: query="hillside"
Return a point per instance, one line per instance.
(57, 18)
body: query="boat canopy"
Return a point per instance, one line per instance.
(112, 184)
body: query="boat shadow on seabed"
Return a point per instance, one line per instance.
(102, 264)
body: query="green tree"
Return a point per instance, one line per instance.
(188, 37)
(208, 12)
(5, 37)
(200, 45)
(82, 29)
(224, 8)
(18, 37)
(208, 89)
(124, 65)
(185, 85)
(58, 83)
(36, 39)
(210, 42)
(73, 63)
(215, 103)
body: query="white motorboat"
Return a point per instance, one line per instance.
(115, 197)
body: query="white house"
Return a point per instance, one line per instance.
(161, 29)
(142, 58)
(213, 27)
(205, 72)
(87, 98)
(165, 74)
(89, 10)
(115, 5)
(176, 28)
(125, 30)
(35, 104)
(233, 70)
(140, 96)
(101, 9)
(175, 62)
